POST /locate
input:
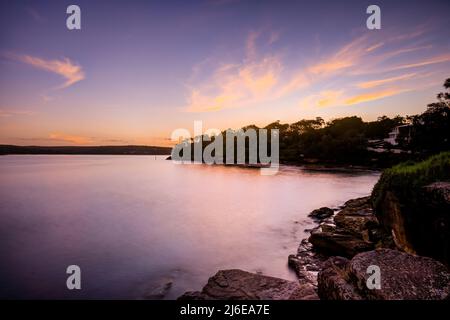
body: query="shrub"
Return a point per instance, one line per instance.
(406, 179)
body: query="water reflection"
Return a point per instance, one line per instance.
(138, 226)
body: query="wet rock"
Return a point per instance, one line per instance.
(339, 244)
(328, 227)
(306, 263)
(354, 229)
(241, 285)
(321, 213)
(159, 292)
(403, 276)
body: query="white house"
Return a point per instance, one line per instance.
(393, 135)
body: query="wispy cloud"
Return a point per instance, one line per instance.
(375, 46)
(63, 137)
(5, 113)
(66, 68)
(348, 56)
(237, 84)
(35, 15)
(251, 43)
(46, 98)
(265, 75)
(325, 98)
(371, 96)
(376, 83)
(434, 60)
(335, 98)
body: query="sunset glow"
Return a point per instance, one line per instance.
(133, 74)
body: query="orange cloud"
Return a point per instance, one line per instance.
(372, 96)
(260, 79)
(434, 60)
(79, 140)
(237, 84)
(375, 83)
(329, 98)
(349, 55)
(326, 98)
(65, 68)
(375, 46)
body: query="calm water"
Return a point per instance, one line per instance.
(135, 223)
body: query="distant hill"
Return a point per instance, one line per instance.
(136, 150)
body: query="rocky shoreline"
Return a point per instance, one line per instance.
(391, 245)
(332, 264)
(335, 258)
(353, 229)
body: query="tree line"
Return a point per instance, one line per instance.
(348, 140)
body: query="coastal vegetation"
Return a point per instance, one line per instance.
(353, 141)
(407, 178)
(403, 227)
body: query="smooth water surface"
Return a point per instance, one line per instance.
(136, 224)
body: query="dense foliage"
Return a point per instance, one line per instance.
(407, 179)
(431, 130)
(347, 140)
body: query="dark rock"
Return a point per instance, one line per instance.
(357, 216)
(355, 229)
(327, 227)
(159, 291)
(306, 263)
(241, 285)
(322, 213)
(419, 225)
(356, 232)
(339, 244)
(357, 203)
(403, 276)
(333, 281)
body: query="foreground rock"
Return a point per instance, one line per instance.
(352, 230)
(420, 225)
(306, 263)
(403, 276)
(241, 285)
(357, 218)
(356, 229)
(339, 244)
(321, 213)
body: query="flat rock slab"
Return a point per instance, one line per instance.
(237, 284)
(403, 277)
(340, 244)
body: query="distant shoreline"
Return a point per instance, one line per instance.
(85, 150)
(165, 151)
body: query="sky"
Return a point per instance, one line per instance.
(138, 70)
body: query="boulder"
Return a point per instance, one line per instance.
(306, 263)
(339, 244)
(333, 281)
(354, 229)
(241, 285)
(328, 227)
(419, 225)
(357, 217)
(321, 213)
(403, 277)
